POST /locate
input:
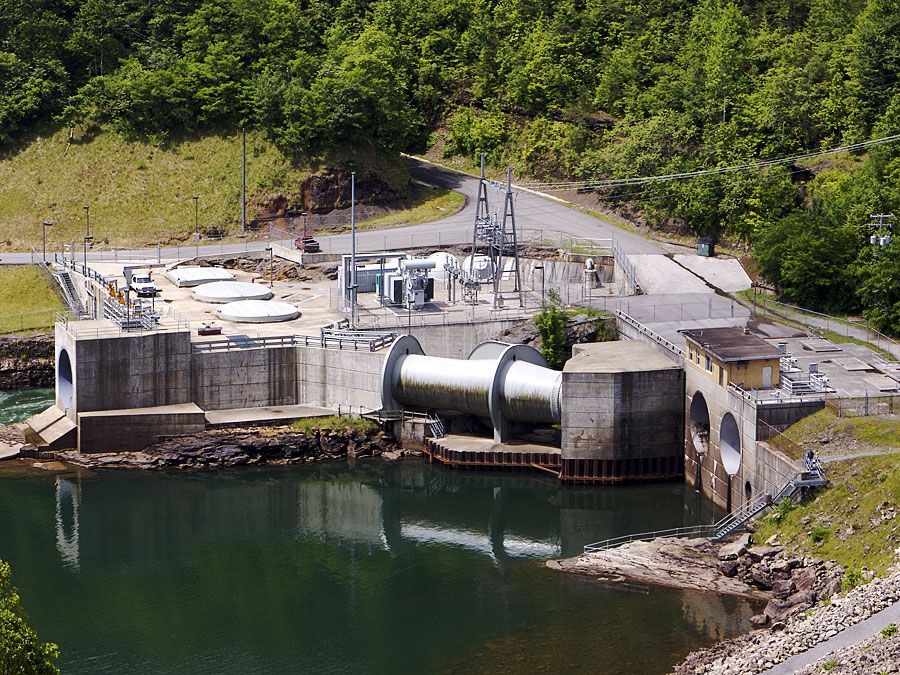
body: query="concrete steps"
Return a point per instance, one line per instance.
(51, 429)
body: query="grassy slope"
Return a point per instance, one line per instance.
(135, 190)
(842, 435)
(848, 517)
(27, 301)
(141, 194)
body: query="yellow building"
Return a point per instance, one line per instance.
(731, 355)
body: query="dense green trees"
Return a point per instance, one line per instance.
(586, 89)
(20, 651)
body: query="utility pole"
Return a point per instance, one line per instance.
(880, 221)
(87, 219)
(244, 180)
(353, 249)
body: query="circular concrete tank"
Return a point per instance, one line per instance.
(699, 423)
(230, 291)
(730, 444)
(257, 311)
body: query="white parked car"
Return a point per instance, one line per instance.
(142, 284)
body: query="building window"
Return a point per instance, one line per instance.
(709, 364)
(720, 376)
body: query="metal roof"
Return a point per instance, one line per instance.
(732, 344)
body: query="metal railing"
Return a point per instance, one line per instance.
(773, 397)
(650, 334)
(818, 320)
(628, 270)
(864, 406)
(326, 340)
(567, 242)
(714, 531)
(26, 321)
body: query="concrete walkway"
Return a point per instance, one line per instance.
(846, 638)
(262, 416)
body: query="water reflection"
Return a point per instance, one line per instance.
(68, 501)
(335, 568)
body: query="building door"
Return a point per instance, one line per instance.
(767, 377)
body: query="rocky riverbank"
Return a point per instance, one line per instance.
(760, 650)
(245, 447)
(26, 362)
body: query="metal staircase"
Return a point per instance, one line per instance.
(814, 476)
(69, 292)
(436, 426)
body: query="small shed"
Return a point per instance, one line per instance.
(706, 246)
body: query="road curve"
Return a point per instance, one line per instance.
(533, 212)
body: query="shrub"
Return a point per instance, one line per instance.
(819, 533)
(781, 510)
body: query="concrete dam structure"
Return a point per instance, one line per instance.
(616, 409)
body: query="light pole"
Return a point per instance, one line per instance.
(45, 224)
(271, 265)
(87, 240)
(87, 220)
(196, 199)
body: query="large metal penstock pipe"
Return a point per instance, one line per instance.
(503, 382)
(531, 393)
(427, 382)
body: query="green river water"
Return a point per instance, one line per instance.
(400, 568)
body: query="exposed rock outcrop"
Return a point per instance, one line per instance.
(801, 630)
(244, 447)
(26, 362)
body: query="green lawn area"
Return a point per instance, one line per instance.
(424, 205)
(27, 301)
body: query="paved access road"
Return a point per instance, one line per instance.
(533, 212)
(846, 638)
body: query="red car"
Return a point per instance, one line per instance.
(307, 245)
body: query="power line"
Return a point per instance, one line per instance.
(621, 182)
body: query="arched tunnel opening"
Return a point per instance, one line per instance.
(730, 444)
(699, 420)
(65, 380)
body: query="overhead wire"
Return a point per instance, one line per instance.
(639, 180)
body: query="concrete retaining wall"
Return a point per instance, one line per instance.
(332, 378)
(456, 341)
(762, 469)
(128, 430)
(244, 378)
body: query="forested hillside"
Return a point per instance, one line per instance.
(584, 89)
